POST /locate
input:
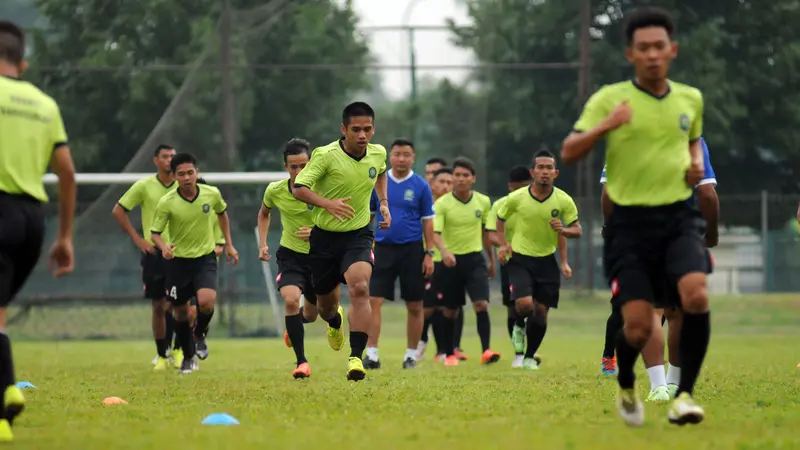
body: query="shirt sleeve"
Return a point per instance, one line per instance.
(373, 202)
(569, 211)
(426, 202)
(603, 176)
(269, 202)
(132, 197)
(507, 208)
(438, 218)
(709, 177)
(219, 203)
(491, 220)
(696, 130)
(160, 217)
(58, 134)
(313, 171)
(594, 112)
(487, 207)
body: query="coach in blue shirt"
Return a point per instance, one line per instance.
(400, 251)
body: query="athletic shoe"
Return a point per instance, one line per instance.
(673, 390)
(302, 371)
(200, 347)
(630, 407)
(451, 361)
(177, 358)
(517, 362)
(489, 357)
(460, 355)
(409, 363)
(187, 366)
(371, 364)
(659, 395)
(684, 410)
(336, 335)
(355, 369)
(530, 364)
(14, 403)
(421, 346)
(161, 364)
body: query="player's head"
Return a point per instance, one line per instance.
(162, 157)
(649, 33)
(12, 49)
(432, 166)
(201, 180)
(296, 154)
(519, 177)
(442, 182)
(358, 125)
(543, 168)
(401, 156)
(463, 174)
(184, 166)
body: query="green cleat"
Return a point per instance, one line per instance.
(14, 403)
(530, 364)
(659, 395)
(336, 335)
(673, 390)
(518, 339)
(684, 410)
(161, 364)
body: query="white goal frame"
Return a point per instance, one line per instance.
(211, 177)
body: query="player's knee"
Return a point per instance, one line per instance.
(524, 306)
(375, 303)
(181, 312)
(429, 312)
(358, 290)
(414, 309)
(480, 306)
(159, 306)
(638, 332)
(540, 314)
(694, 294)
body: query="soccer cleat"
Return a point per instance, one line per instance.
(286, 339)
(530, 364)
(161, 364)
(371, 364)
(610, 366)
(460, 355)
(518, 339)
(489, 357)
(14, 403)
(302, 371)
(538, 360)
(440, 357)
(421, 350)
(187, 366)
(409, 363)
(684, 410)
(517, 362)
(195, 363)
(673, 390)
(5, 431)
(200, 347)
(630, 407)
(451, 360)
(355, 369)
(659, 395)
(177, 358)
(336, 335)
(155, 360)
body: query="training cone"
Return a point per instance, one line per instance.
(25, 385)
(114, 401)
(220, 419)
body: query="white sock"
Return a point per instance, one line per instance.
(657, 376)
(410, 353)
(372, 353)
(674, 375)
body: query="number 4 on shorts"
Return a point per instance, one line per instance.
(173, 292)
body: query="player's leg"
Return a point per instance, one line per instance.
(459, 332)
(613, 327)
(412, 290)
(356, 265)
(453, 298)
(294, 326)
(381, 286)
(476, 276)
(325, 256)
(205, 282)
(520, 291)
(653, 358)
(675, 321)
(544, 283)
(432, 316)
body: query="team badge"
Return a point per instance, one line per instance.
(684, 122)
(478, 213)
(614, 287)
(373, 172)
(409, 195)
(427, 286)
(310, 207)
(278, 278)
(554, 213)
(206, 208)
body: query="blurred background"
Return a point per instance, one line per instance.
(493, 80)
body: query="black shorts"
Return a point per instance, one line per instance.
(433, 294)
(648, 249)
(505, 286)
(402, 261)
(186, 276)
(469, 276)
(21, 239)
(332, 253)
(294, 269)
(537, 277)
(154, 276)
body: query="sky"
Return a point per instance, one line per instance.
(432, 47)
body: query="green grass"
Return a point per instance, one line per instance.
(749, 388)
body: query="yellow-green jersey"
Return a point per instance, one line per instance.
(188, 221)
(460, 223)
(31, 128)
(533, 235)
(647, 159)
(145, 194)
(333, 174)
(294, 214)
(437, 255)
(491, 221)
(219, 237)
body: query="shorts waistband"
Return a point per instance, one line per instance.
(671, 207)
(194, 259)
(394, 244)
(19, 197)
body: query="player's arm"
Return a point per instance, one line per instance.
(572, 226)
(562, 249)
(64, 168)
(707, 199)
(597, 119)
(311, 173)
(160, 221)
(438, 228)
(130, 200)
(428, 215)
(221, 208)
(504, 213)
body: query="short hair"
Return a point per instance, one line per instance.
(12, 42)
(436, 160)
(402, 142)
(357, 109)
(201, 180)
(441, 171)
(464, 163)
(182, 158)
(296, 146)
(519, 174)
(646, 18)
(161, 147)
(541, 154)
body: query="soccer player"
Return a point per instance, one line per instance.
(460, 226)
(294, 265)
(32, 136)
(338, 183)
(652, 127)
(145, 194)
(441, 184)
(663, 387)
(400, 251)
(191, 266)
(543, 214)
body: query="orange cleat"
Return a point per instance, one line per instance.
(451, 360)
(610, 366)
(302, 371)
(286, 339)
(489, 357)
(460, 355)
(439, 357)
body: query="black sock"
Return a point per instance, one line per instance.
(183, 332)
(520, 321)
(626, 359)
(294, 327)
(7, 377)
(511, 320)
(170, 327)
(358, 342)
(203, 319)
(425, 325)
(663, 319)
(535, 332)
(162, 345)
(335, 321)
(613, 326)
(436, 326)
(484, 328)
(303, 315)
(695, 335)
(459, 329)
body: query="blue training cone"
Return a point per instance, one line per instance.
(25, 385)
(220, 419)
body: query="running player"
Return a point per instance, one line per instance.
(400, 251)
(191, 267)
(543, 214)
(654, 158)
(342, 175)
(145, 194)
(32, 136)
(460, 226)
(294, 266)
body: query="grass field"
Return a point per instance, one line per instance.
(749, 388)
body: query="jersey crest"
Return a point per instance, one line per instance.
(373, 172)
(478, 213)
(684, 122)
(408, 195)
(554, 213)
(206, 208)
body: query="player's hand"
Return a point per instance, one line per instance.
(557, 225)
(504, 253)
(566, 270)
(620, 116)
(232, 254)
(427, 266)
(218, 249)
(340, 209)
(492, 270)
(303, 233)
(695, 173)
(387, 217)
(167, 252)
(448, 259)
(263, 253)
(62, 257)
(144, 246)
(712, 239)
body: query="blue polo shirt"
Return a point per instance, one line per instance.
(410, 202)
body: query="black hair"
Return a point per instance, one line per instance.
(646, 18)
(182, 158)
(402, 142)
(436, 160)
(12, 42)
(464, 163)
(161, 147)
(446, 170)
(541, 154)
(357, 109)
(296, 146)
(201, 180)
(519, 174)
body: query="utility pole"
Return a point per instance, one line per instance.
(584, 84)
